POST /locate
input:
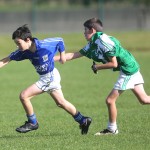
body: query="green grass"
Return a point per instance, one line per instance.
(86, 91)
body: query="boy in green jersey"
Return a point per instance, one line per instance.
(108, 50)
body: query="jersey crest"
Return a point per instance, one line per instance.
(45, 58)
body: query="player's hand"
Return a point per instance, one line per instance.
(94, 68)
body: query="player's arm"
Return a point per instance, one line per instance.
(69, 56)
(109, 65)
(4, 61)
(62, 57)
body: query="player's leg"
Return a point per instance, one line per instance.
(25, 97)
(112, 112)
(119, 87)
(59, 99)
(141, 94)
(54, 89)
(111, 105)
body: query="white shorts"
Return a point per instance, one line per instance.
(125, 82)
(50, 81)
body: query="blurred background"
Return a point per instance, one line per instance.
(68, 16)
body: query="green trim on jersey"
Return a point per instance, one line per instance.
(102, 46)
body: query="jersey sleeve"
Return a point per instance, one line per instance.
(17, 55)
(85, 51)
(110, 47)
(61, 45)
(113, 47)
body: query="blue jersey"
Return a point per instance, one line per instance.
(42, 58)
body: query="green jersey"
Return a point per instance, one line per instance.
(103, 46)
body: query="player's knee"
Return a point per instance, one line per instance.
(22, 96)
(109, 101)
(60, 104)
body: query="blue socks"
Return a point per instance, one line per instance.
(32, 119)
(79, 118)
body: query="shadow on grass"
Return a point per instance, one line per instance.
(25, 135)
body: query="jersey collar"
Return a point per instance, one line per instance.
(96, 35)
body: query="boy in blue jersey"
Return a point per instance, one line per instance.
(41, 53)
(108, 50)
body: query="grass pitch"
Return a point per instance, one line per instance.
(87, 92)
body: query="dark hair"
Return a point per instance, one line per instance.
(94, 23)
(23, 33)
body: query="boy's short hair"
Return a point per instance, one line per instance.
(23, 33)
(94, 23)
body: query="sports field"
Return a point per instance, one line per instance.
(87, 91)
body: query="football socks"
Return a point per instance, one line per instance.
(32, 119)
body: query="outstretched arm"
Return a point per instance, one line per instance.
(62, 57)
(4, 61)
(69, 56)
